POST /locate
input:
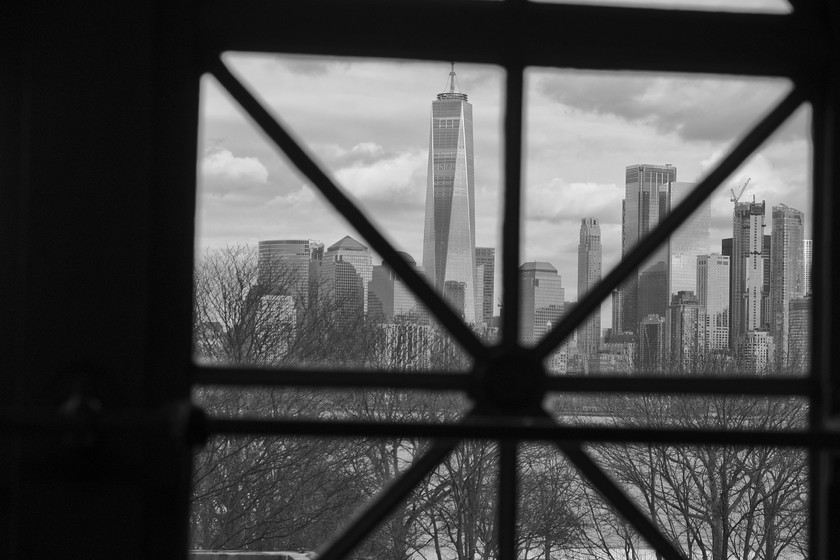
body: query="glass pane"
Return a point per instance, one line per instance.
(429, 180)
(711, 501)
(591, 195)
(762, 6)
(551, 510)
(296, 494)
(282, 278)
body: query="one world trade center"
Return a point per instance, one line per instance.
(449, 235)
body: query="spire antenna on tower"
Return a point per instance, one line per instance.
(452, 78)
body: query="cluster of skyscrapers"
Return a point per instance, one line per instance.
(687, 300)
(750, 300)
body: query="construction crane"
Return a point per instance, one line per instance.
(736, 197)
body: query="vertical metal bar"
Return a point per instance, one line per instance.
(511, 227)
(824, 468)
(508, 496)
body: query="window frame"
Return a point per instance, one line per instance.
(516, 34)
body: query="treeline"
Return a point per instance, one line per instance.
(294, 493)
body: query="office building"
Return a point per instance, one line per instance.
(748, 266)
(799, 334)
(651, 349)
(713, 292)
(686, 330)
(653, 285)
(589, 274)
(786, 268)
(346, 270)
(541, 301)
(290, 267)
(617, 308)
(485, 274)
(756, 350)
(640, 214)
(449, 233)
(651, 192)
(390, 300)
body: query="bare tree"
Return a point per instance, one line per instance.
(714, 502)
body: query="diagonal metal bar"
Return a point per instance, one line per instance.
(507, 506)
(625, 506)
(370, 517)
(312, 171)
(511, 226)
(748, 144)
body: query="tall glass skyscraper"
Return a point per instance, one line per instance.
(640, 214)
(589, 274)
(651, 192)
(449, 235)
(787, 268)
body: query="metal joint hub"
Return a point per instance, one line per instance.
(510, 381)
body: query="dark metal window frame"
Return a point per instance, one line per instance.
(516, 34)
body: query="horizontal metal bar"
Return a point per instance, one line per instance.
(342, 203)
(630, 262)
(695, 385)
(448, 381)
(540, 34)
(523, 429)
(331, 378)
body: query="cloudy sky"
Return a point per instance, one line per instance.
(367, 122)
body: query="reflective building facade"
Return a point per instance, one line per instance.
(689, 242)
(786, 268)
(346, 271)
(290, 266)
(390, 300)
(449, 233)
(541, 301)
(713, 292)
(686, 329)
(640, 214)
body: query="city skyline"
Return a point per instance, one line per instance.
(366, 123)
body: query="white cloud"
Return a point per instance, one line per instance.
(393, 177)
(559, 200)
(221, 164)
